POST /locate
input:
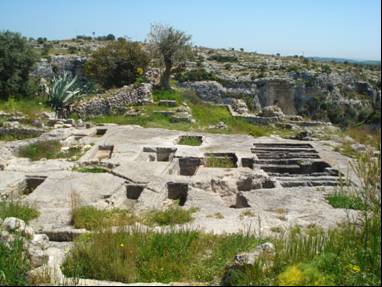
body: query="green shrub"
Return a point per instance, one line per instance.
(16, 61)
(119, 63)
(17, 209)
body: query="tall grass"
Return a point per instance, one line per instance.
(14, 264)
(136, 256)
(17, 209)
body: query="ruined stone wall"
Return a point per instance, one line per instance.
(116, 103)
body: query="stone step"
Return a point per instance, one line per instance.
(287, 156)
(281, 145)
(308, 183)
(288, 150)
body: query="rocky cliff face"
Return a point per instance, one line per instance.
(58, 64)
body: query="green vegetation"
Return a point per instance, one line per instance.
(205, 115)
(91, 169)
(136, 256)
(220, 162)
(190, 140)
(64, 91)
(16, 61)
(49, 150)
(340, 200)
(31, 108)
(195, 75)
(14, 265)
(119, 63)
(171, 216)
(92, 218)
(17, 209)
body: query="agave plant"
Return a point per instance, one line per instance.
(64, 91)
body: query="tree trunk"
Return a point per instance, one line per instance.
(165, 78)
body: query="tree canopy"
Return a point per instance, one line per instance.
(170, 46)
(119, 63)
(16, 61)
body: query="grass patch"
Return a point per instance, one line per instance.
(91, 169)
(31, 108)
(17, 209)
(171, 216)
(8, 137)
(14, 264)
(339, 200)
(48, 150)
(92, 218)
(190, 140)
(135, 256)
(220, 162)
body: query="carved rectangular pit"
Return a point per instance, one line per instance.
(190, 140)
(189, 165)
(220, 160)
(241, 202)
(32, 182)
(104, 152)
(100, 132)
(178, 191)
(160, 153)
(247, 162)
(134, 191)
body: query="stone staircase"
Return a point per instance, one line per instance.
(294, 165)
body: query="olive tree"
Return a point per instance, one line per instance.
(170, 46)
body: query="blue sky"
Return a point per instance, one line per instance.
(331, 28)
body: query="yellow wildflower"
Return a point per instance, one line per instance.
(356, 268)
(140, 71)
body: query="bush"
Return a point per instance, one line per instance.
(16, 61)
(119, 63)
